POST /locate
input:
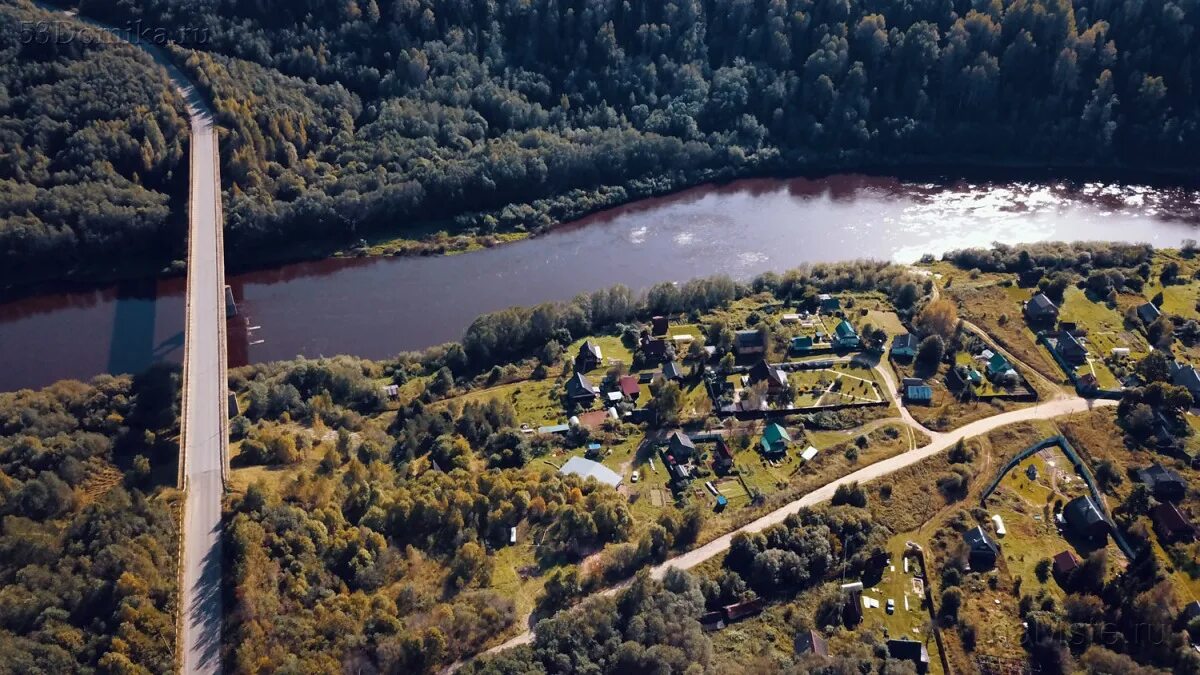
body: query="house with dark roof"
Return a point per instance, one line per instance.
(722, 456)
(1165, 484)
(1184, 375)
(749, 342)
(1065, 562)
(904, 347)
(775, 440)
(776, 378)
(659, 325)
(654, 349)
(680, 445)
(844, 336)
(910, 650)
(1041, 309)
(1171, 524)
(828, 304)
(1070, 348)
(811, 642)
(580, 390)
(710, 621)
(672, 371)
(1085, 519)
(1087, 383)
(982, 550)
(1190, 611)
(1147, 312)
(589, 357)
(628, 384)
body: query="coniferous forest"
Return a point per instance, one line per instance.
(341, 119)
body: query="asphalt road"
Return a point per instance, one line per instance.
(205, 423)
(939, 443)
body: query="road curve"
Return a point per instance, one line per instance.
(204, 426)
(939, 443)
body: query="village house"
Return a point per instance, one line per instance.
(1085, 519)
(776, 379)
(589, 357)
(747, 342)
(910, 650)
(1165, 484)
(680, 446)
(1041, 309)
(1070, 348)
(671, 371)
(659, 325)
(998, 368)
(580, 390)
(775, 440)
(1065, 563)
(722, 457)
(982, 550)
(802, 344)
(1183, 375)
(630, 389)
(904, 347)
(828, 304)
(811, 642)
(844, 336)
(741, 610)
(654, 349)
(1171, 524)
(1148, 312)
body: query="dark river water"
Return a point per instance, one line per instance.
(379, 307)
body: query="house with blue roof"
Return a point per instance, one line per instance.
(922, 393)
(905, 346)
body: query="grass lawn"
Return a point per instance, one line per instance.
(611, 348)
(530, 399)
(911, 617)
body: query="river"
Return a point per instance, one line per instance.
(378, 307)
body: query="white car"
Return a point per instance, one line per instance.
(634, 478)
(891, 606)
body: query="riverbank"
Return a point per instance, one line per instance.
(379, 306)
(444, 238)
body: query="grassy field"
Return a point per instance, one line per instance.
(997, 310)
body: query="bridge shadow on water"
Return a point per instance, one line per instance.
(132, 347)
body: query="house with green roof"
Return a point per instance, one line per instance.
(844, 336)
(997, 366)
(802, 344)
(775, 440)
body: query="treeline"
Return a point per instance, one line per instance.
(1079, 257)
(93, 136)
(88, 558)
(376, 114)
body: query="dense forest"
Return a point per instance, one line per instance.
(372, 115)
(87, 545)
(92, 138)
